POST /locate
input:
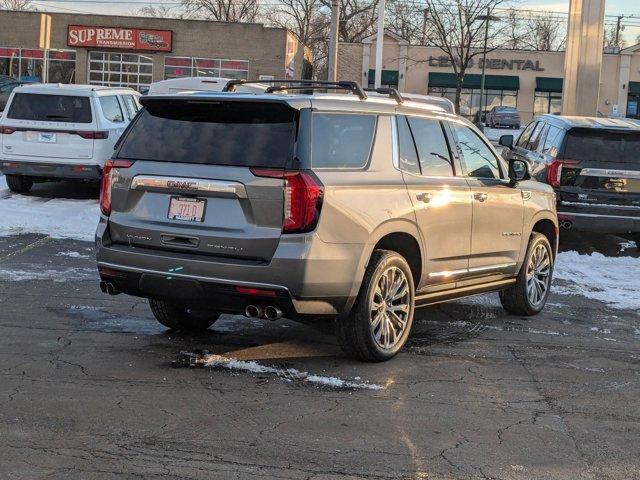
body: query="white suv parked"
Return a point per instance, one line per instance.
(52, 132)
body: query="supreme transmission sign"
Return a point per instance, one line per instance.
(120, 38)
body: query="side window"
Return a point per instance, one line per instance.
(552, 142)
(524, 137)
(111, 108)
(479, 160)
(408, 158)
(341, 140)
(129, 105)
(431, 144)
(534, 141)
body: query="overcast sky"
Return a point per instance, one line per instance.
(629, 8)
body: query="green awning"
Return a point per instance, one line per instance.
(389, 77)
(474, 80)
(548, 84)
(634, 88)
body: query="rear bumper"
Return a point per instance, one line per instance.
(507, 122)
(598, 222)
(305, 277)
(51, 169)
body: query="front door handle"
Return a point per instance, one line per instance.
(424, 197)
(480, 196)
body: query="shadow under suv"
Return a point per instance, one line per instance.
(357, 208)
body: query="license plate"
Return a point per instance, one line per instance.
(47, 137)
(190, 209)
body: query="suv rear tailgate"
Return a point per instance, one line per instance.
(601, 172)
(190, 187)
(48, 126)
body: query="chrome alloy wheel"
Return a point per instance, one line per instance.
(390, 308)
(538, 275)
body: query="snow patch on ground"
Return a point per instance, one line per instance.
(59, 275)
(612, 280)
(72, 254)
(288, 374)
(58, 218)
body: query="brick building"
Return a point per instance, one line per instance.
(136, 51)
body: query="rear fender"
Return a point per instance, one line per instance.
(386, 228)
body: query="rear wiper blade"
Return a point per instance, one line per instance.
(57, 116)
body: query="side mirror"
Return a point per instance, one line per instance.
(518, 170)
(506, 141)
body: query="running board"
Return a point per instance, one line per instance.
(455, 293)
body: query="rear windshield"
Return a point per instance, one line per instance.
(50, 108)
(605, 147)
(247, 134)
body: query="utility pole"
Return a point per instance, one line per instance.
(484, 65)
(425, 15)
(379, 44)
(487, 18)
(332, 62)
(618, 28)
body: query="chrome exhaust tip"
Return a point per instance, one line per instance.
(272, 313)
(109, 288)
(253, 311)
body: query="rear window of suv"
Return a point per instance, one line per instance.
(236, 133)
(603, 147)
(50, 108)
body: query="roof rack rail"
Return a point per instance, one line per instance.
(281, 85)
(392, 92)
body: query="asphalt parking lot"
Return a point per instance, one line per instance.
(90, 387)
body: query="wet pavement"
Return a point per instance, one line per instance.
(89, 388)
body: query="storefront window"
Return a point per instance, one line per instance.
(28, 64)
(120, 70)
(177, 67)
(470, 98)
(62, 66)
(547, 102)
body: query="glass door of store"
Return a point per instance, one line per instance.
(632, 106)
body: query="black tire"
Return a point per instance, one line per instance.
(516, 127)
(636, 238)
(356, 333)
(19, 183)
(180, 318)
(515, 299)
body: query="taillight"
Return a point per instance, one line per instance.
(102, 135)
(107, 179)
(7, 130)
(554, 171)
(302, 198)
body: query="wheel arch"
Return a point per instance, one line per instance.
(546, 223)
(401, 236)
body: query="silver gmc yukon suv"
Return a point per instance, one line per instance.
(357, 208)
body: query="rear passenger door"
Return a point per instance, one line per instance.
(498, 208)
(442, 201)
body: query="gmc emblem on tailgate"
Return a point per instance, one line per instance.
(182, 185)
